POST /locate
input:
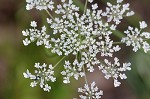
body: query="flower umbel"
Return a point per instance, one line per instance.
(137, 37)
(85, 37)
(75, 71)
(36, 35)
(42, 76)
(40, 4)
(115, 70)
(90, 92)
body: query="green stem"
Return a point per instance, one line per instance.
(59, 61)
(85, 75)
(117, 42)
(50, 15)
(85, 7)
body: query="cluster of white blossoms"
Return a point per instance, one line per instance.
(75, 71)
(90, 92)
(85, 36)
(36, 35)
(137, 37)
(42, 76)
(116, 12)
(40, 4)
(115, 70)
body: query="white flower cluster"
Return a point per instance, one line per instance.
(137, 37)
(42, 76)
(115, 70)
(90, 92)
(116, 12)
(40, 4)
(35, 34)
(75, 71)
(84, 36)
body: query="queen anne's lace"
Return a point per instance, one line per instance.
(116, 12)
(75, 71)
(90, 92)
(84, 37)
(115, 70)
(137, 37)
(40, 4)
(42, 76)
(36, 35)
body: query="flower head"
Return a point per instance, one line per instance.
(75, 71)
(36, 35)
(115, 13)
(115, 70)
(83, 36)
(90, 92)
(42, 76)
(137, 38)
(40, 4)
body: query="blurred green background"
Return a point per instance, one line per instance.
(16, 58)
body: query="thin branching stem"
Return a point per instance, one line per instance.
(85, 7)
(85, 75)
(117, 42)
(59, 61)
(50, 15)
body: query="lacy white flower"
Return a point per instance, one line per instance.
(42, 76)
(36, 35)
(116, 12)
(40, 4)
(90, 92)
(115, 70)
(84, 37)
(137, 38)
(75, 71)
(107, 48)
